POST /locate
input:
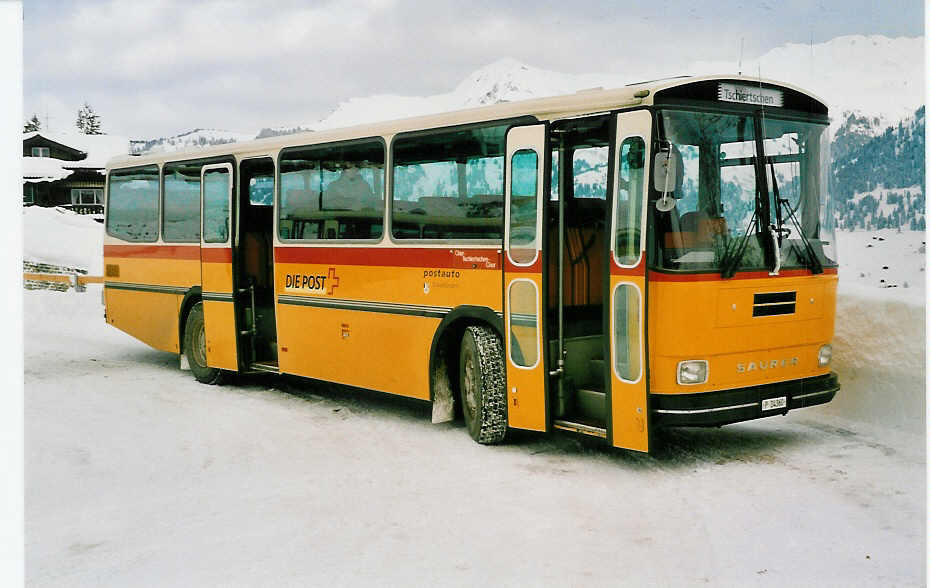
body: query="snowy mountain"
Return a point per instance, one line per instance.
(854, 130)
(869, 82)
(188, 140)
(505, 80)
(874, 80)
(879, 183)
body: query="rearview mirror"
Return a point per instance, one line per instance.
(666, 170)
(666, 177)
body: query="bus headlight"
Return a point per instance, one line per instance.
(825, 355)
(693, 371)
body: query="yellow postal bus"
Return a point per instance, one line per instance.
(606, 262)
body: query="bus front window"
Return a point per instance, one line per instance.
(725, 212)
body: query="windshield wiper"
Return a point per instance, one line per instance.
(732, 258)
(813, 262)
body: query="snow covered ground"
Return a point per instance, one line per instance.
(138, 475)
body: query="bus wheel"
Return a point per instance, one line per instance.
(195, 348)
(481, 381)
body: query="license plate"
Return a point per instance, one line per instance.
(773, 403)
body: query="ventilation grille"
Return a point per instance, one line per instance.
(774, 303)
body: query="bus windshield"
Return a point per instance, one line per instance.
(735, 210)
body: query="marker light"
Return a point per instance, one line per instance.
(693, 371)
(825, 355)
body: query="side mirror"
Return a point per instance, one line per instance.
(665, 174)
(666, 177)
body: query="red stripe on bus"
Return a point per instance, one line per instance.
(216, 255)
(638, 270)
(451, 257)
(534, 268)
(664, 277)
(153, 251)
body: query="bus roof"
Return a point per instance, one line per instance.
(549, 108)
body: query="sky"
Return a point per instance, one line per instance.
(161, 67)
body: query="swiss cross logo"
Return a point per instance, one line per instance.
(333, 280)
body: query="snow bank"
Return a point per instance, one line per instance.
(61, 237)
(879, 350)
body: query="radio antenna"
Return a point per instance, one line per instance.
(739, 63)
(811, 73)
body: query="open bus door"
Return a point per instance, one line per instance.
(216, 266)
(628, 415)
(523, 237)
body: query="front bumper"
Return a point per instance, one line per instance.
(711, 409)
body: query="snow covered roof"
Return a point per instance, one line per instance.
(99, 148)
(44, 169)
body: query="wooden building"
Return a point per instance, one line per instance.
(68, 169)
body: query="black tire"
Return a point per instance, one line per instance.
(195, 348)
(482, 385)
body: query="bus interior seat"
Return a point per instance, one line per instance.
(257, 258)
(696, 229)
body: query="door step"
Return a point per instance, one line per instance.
(590, 404)
(580, 428)
(270, 367)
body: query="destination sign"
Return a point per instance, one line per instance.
(749, 95)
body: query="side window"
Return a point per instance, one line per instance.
(524, 334)
(524, 165)
(132, 210)
(449, 185)
(554, 178)
(181, 217)
(589, 172)
(627, 345)
(332, 192)
(261, 190)
(629, 205)
(216, 206)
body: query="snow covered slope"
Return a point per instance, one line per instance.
(505, 80)
(189, 140)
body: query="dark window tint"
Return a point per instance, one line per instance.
(449, 185)
(181, 218)
(332, 192)
(132, 211)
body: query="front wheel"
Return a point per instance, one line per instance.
(481, 382)
(195, 348)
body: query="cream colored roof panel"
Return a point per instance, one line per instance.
(548, 108)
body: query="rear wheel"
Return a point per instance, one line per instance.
(195, 348)
(481, 381)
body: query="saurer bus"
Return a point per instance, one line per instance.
(606, 263)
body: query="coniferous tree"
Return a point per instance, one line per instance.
(88, 121)
(33, 124)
